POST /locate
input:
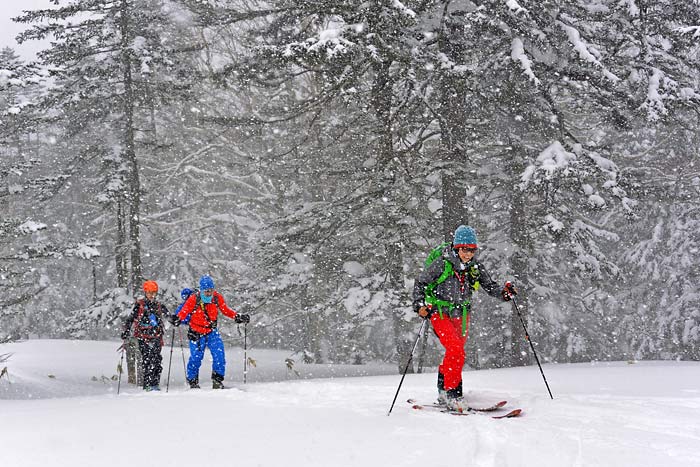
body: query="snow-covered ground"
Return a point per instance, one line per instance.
(56, 409)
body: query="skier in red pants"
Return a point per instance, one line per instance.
(442, 293)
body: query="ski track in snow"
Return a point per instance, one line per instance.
(604, 414)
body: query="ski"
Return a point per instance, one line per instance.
(437, 408)
(491, 408)
(512, 414)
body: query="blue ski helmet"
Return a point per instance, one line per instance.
(464, 237)
(206, 283)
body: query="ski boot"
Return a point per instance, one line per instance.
(194, 383)
(454, 399)
(217, 381)
(456, 404)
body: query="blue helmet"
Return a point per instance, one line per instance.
(206, 283)
(464, 237)
(185, 293)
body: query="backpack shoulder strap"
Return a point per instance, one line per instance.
(159, 311)
(200, 304)
(447, 271)
(142, 309)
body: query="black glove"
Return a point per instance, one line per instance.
(242, 318)
(125, 335)
(174, 320)
(508, 292)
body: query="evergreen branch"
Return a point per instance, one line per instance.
(22, 299)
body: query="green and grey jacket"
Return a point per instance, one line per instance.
(453, 295)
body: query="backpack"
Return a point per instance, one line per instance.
(184, 294)
(151, 328)
(448, 270)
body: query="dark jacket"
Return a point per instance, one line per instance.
(150, 324)
(453, 289)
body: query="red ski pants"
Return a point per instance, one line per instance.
(449, 331)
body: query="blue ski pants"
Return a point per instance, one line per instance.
(197, 348)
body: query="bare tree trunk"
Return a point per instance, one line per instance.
(133, 362)
(134, 182)
(313, 335)
(120, 253)
(453, 117)
(454, 209)
(94, 280)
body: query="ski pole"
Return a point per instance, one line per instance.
(245, 352)
(170, 361)
(120, 369)
(405, 370)
(527, 337)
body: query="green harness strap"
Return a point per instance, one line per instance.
(431, 299)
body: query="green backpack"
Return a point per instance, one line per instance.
(448, 270)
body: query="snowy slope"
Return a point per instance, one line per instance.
(605, 414)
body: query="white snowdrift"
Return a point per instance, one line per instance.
(604, 414)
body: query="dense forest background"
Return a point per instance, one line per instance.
(309, 154)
